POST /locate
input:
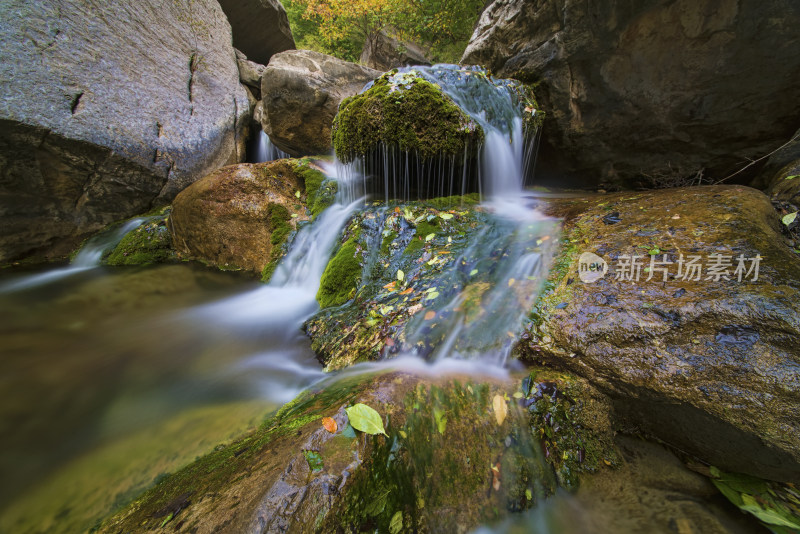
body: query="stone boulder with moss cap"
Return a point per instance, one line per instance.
(404, 110)
(711, 366)
(240, 216)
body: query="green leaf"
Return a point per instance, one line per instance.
(396, 524)
(446, 216)
(167, 520)
(789, 219)
(473, 272)
(297, 194)
(429, 237)
(400, 275)
(348, 431)
(529, 494)
(365, 419)
(792, 177)
(314, 461)
(441, 419)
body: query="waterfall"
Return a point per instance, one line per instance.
(263, 149)
(88, 257)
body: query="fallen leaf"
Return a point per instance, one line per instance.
(297, 194)
(396, 524)
(511, 282)
(473, 272)
(496, 477)
(407, 291)
(390, 285)
(789, 219)
(397, 210)
(400, 275)
(500, 408)
(430, 315)
(429, 237)
(389, 342)
(445, 216)
(365, 419)
(330, 425)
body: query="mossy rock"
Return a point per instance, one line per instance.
(445, 447)
(148, 244)
(404, 111)
(698, 362)
(413, 271)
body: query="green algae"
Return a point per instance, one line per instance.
(341, 276)
(147, 244)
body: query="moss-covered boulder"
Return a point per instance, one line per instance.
(707, 361)
(149, 243)
(242, 215)
(406, 111)
(406, 276)
(456, 451)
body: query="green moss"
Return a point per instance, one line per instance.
(320, 190)
(278, 217)
(341, 276)
(149, 243)
(416, 116)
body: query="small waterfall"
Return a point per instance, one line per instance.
(88, 257)
(263, 150)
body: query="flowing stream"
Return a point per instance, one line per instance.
(114, 376)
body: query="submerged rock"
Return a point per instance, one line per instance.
(242, 215)
(108, 108)
(448, 458)
(260, 27)
(384, 52)
(301, 91)
(653, 91)
(706, 361)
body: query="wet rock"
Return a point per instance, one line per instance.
(149, 243)
(301, 92)
(107, 109)
(385, 52)
(260, 27)
(650, 91)
(241, 215)
(444, 448)
(709, 365)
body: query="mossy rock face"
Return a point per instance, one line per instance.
(448, 457)
(149, 243)
(405, 111)
(240, 216)
(406, 275)
(708, 365)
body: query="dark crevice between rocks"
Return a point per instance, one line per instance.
(193, 63)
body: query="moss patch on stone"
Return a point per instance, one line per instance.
(412, 114)
(320, 190)
(278, 219)
(149, 243)
(341, 276)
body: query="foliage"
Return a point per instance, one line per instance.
(342, 27)
(365, 419)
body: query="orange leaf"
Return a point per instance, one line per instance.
(390, 285)
(407, 291)
(330, 425)
(397, 210)
(389, 342)
(430, 315)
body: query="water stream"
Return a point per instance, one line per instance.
(116, 376)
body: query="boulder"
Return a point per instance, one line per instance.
(260, 27)
(108, 108)
(384, 52)
(250, 74)
(709, 365)
(650, 91)
(448, 441)
(239, 216)
(782, 174)
(301, 91)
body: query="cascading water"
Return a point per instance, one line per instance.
(88, 257)
(264, 150)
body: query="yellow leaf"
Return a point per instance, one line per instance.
(500, 408)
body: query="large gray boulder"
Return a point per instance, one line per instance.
(301, 91)
(260, 27)
(651, 88)
(107, 108)
(384, 52)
